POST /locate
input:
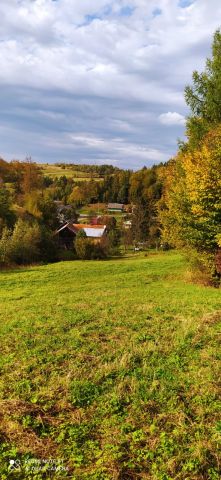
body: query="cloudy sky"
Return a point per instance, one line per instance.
(99, 81)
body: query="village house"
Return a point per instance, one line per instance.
(115, 207)
(68, 232)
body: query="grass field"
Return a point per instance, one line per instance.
(112, 369)
(53, 171)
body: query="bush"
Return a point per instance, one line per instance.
(22, 245)
(86, 249)
(66, 255)
(48, 246)
(83, 246)
(7, 216)
(5, 246)
(201, 268)
(98, 251)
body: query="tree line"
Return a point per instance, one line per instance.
(29, 203)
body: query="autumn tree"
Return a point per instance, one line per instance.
(42, 208)
(145, 191)
(127, 237)
(140, 222)
(5, 170)
(32, 178)
(204, 96)
(190, 209)
(77, 196)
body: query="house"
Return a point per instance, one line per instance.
(115, 207)
(68, 232)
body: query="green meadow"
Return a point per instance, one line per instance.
(53, 171)
(110, 370)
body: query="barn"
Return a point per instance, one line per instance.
(68, 232)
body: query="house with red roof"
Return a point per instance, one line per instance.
(68, 232)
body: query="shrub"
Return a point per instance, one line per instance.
(83, 246)
(86, 249)
(48, 246)
(66, 255)
(22, 245)
(7, 216)
(5, 246)
(25, 242)
(98, 251)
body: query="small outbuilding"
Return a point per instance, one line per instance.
(115, 207)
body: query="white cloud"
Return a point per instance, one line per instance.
(118, 148)
(106, 67)
(172, 118)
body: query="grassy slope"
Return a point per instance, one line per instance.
(53, 171)
(112, 366)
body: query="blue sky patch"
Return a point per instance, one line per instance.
(91, 18)
(98, 16)
(185, 3)
(157, 12)
(127, 11)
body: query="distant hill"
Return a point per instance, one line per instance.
(81, 172)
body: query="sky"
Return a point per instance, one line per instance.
(99, 81)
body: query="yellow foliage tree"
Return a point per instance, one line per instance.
(190, 208)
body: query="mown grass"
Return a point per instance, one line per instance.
(112, 367)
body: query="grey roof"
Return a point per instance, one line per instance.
(95, 232)
(115, 205)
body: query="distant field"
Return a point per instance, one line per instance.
(98, 208)
(112, 366)
(70, 172)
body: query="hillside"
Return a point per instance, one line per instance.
(77, 172)
(112, 366)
